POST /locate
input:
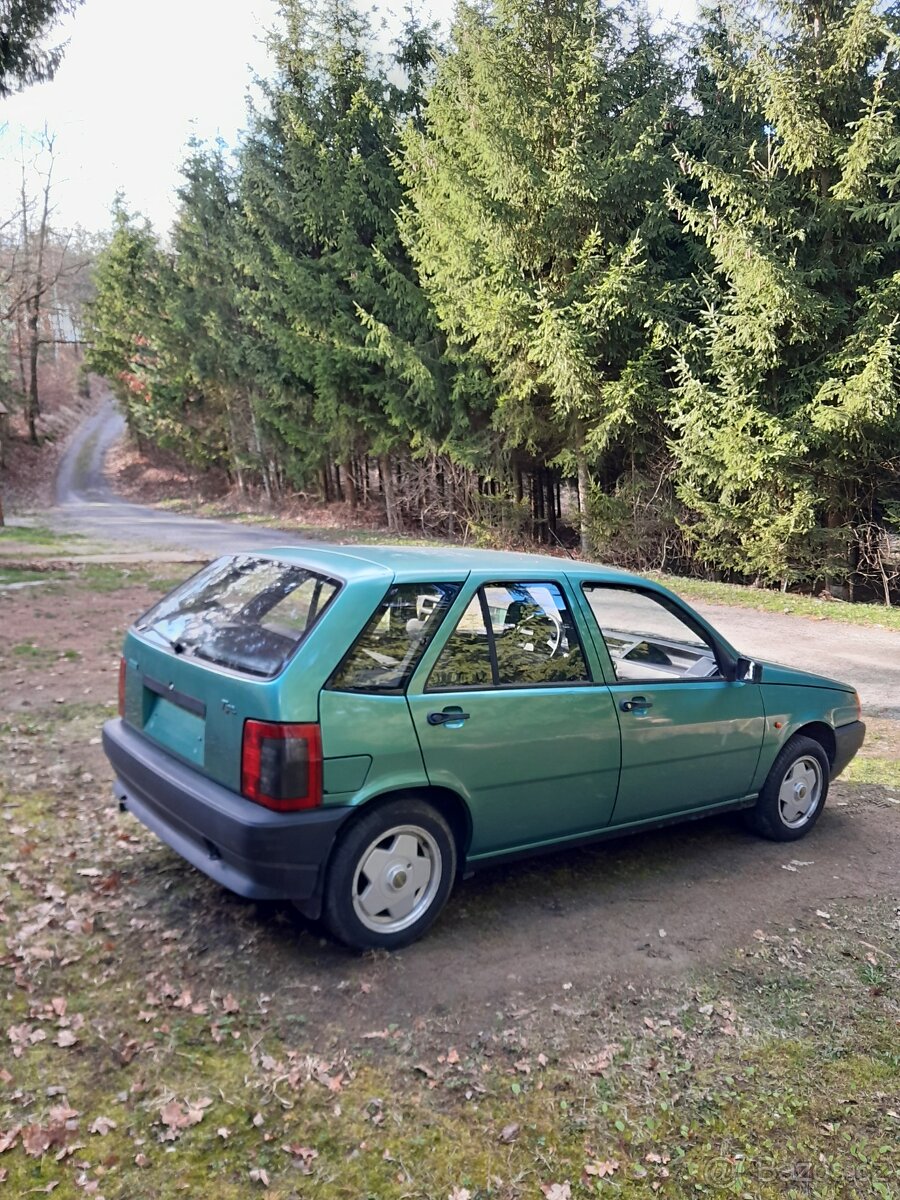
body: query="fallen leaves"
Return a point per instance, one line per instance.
(102, 1125)
(557, 1191)
(9, 1139)
(25, 1034)
(599, 1063)
(177, 1116)
(602, 1170)
(37, 1139)
(303, 1157)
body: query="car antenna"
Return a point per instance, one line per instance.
(561, 543)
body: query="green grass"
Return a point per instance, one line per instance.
(41, 654)
(35, 535)
(781, 602)
(882, 771)
(104, 577)
(110, 577)
(19, 575)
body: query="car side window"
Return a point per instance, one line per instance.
(384, 656)
(512, 635)
(647, 641)
(465, 660)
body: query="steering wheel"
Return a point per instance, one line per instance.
(528, 634)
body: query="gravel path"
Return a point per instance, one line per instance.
(868, 657)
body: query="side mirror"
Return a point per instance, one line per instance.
(747, 671)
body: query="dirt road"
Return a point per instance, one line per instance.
(867, 657)
(86, 505)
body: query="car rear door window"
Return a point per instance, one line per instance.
(394, 639)
(646, 640)
(512, 635)
(245, 612)
(465, 660)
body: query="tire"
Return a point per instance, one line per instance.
(793, 796)
(390, 876)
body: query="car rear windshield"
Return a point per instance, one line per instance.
(245, 612)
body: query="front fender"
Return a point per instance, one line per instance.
(789, 708)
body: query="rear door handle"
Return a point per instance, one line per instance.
(448, 717)
(636, 702)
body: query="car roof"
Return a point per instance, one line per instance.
(415, 564)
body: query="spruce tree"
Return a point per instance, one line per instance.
(787, 411)
(123, 319)
(538, 224)
(24, 26)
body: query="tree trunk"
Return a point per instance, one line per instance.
(550, 505)
(32, 401)
(32, 406)
(233, 452)
(584, 491)
(352, 491)
(387, 490)
(258, 450)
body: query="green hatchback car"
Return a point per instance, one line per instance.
(352, 729)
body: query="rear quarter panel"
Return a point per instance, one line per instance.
(369, 745)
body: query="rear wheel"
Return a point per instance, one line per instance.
(390, 876)
(794, 794)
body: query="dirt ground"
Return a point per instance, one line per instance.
(641, 909)
(687, 1013)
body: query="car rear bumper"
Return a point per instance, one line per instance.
(247, 848)
(848, 739)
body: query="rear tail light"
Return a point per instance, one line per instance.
(121, 687)
(281, 765)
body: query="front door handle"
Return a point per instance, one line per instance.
(448, 717)
(636, 702)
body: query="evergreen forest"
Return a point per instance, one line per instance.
(557, 274)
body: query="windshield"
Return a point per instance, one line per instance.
(244, 612)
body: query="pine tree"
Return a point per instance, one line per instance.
(207, 329)
(123, 321)
(358, 366)
(787, 400)
(538, 225)
(24, 24)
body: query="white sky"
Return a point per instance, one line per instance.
(138, 80)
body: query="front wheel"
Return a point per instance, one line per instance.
(793, 796)
(390, 876)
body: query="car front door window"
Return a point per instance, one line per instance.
(647, 642)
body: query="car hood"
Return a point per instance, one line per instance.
(775, 673)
